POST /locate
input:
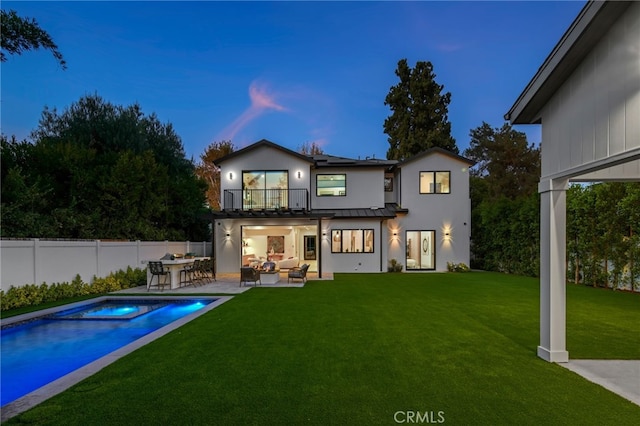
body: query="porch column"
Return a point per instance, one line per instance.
(553, 202)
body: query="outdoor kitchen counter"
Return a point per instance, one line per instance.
(174, 266)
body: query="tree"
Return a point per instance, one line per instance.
(602, 234)
(19, 35)
(419, 118)
(504, 198)
(209, 172)
(509, 165)
(98, 170)
(310, 148)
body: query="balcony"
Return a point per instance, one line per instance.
(266, 199)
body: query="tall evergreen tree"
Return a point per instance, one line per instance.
(419, 118)
(505, 160)
(23, 34)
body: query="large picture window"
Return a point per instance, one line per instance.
(435, 182)
(331, 185)
(421, 250)
(352, 241)
(265, 189)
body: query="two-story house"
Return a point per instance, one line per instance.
(339, 214)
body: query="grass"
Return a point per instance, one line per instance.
(358, 349)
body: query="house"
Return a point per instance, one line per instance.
(586, 95)
(340, 214)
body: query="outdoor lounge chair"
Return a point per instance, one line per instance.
(249, 274)
(296, 272)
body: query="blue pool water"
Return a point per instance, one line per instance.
(39, 351)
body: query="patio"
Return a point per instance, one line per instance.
(227, 284)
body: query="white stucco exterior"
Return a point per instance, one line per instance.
(443, 213)
(361, 211)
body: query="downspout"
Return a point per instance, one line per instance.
(319, 246)
(381, 256)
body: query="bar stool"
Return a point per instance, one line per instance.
(157, 270)
(189, 272)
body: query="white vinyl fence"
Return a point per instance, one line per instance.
(38, 261)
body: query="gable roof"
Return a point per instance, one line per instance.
(324, 160)
(263, 143)
(594, 20)
(436, 150)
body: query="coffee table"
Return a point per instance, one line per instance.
(269, 277)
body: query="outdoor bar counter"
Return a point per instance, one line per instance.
(174, 266)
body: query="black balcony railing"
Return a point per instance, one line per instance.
(266, 199)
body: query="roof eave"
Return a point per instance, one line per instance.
(263, 143)
(586, 30)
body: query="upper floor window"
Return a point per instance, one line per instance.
(265, 189)
(388, 184)
(435, 182)
(265, 179)
(331, 185)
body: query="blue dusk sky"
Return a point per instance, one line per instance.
(290, 72)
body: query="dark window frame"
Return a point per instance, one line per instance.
(388, 184)
(434, 173)
(421, 247)
(341, 193)
(339, 234)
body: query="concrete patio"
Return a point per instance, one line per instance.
(228, 284)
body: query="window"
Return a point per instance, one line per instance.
(435, 182)
(352, 241)
(388, 184)
(265, 189)
(331, 185)
(421, 250)
(309, 247)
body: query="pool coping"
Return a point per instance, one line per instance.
(65, 382)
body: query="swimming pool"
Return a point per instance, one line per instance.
(44, 349)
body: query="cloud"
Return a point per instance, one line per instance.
(261, 101)
(449, 47)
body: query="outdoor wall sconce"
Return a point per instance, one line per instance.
(299, 174)
(230, 176)
(395, 234)
(446, 234)
(228, 235)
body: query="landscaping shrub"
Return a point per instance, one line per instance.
(32, 294)
(394, 266)
(457, 267)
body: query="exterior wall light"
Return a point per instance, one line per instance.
(299, 174)
(230, 176)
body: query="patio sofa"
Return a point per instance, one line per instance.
(289, 263)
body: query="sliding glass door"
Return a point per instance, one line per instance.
(421, 250)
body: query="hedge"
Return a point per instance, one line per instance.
(33, 294)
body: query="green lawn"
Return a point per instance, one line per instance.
(361, 348)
